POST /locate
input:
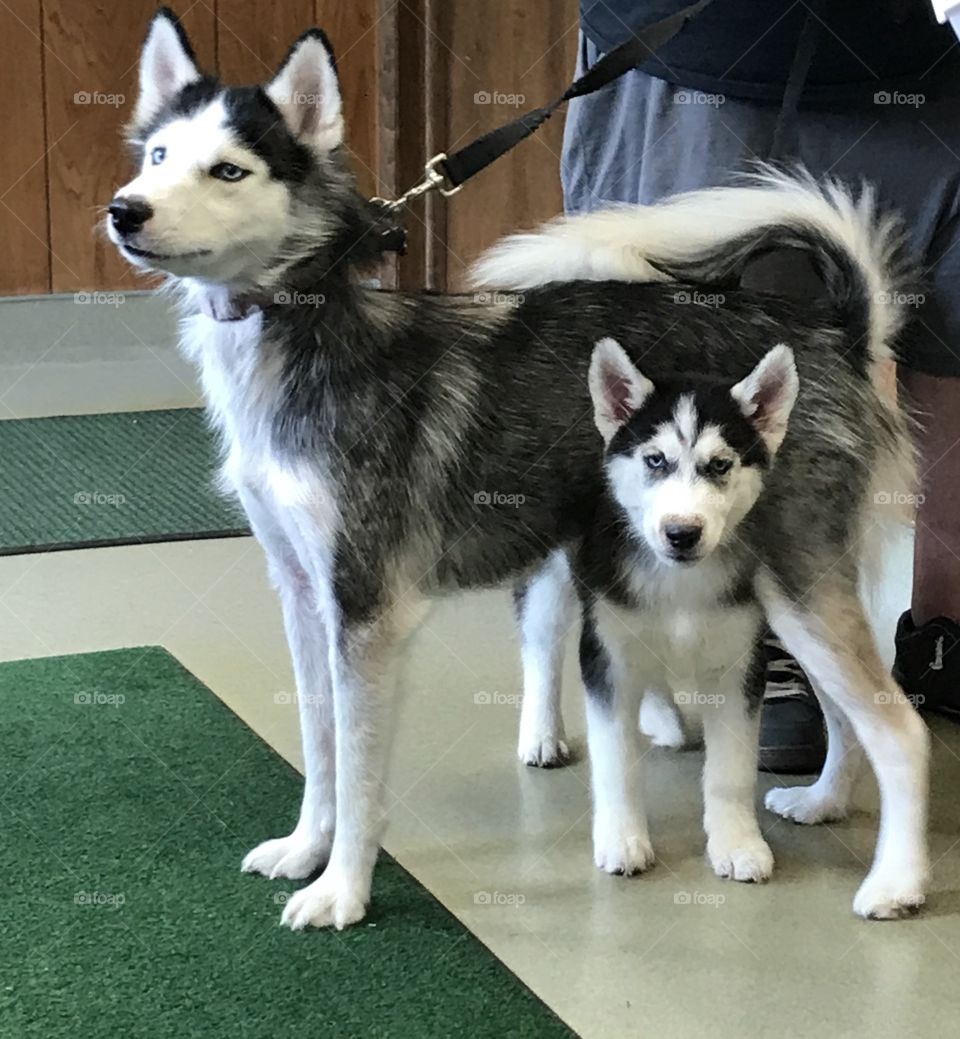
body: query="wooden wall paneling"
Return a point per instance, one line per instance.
(254, 35)
(498, 65)
(24, 255)
(353, 30)
(90, 88)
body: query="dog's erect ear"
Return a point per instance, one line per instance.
(167, 65)
(307, 92)
(767, 395)
(617, 387)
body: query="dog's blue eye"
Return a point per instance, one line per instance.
(158, 155)
(719, 466)
(655, 460)
(227, 171)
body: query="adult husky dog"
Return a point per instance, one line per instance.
(370, 436)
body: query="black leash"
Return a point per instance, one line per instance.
(448, 173)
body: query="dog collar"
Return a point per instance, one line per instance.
(222, 307)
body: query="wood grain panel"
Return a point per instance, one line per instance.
(90, 89)
(24, 253)
(254, 35)
(501, 60)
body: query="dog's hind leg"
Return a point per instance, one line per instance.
(365, 659)
(621, 840)
(545, 613)
(828, 799)
(830, 636)
(731, 695)
(306, 848)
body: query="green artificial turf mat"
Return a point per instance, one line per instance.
(124, 478)
(129, 794)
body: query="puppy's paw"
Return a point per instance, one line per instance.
(805, 804)
(661, 723)
(293, 857)
(622, 848)
(547, 749)
(747, 858)
(333, 900)
(883, 896)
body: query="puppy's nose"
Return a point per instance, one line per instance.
(129, 214)
(683, 536)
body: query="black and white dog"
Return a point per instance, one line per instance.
(369, 436)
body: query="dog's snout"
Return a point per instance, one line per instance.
(683, 536)
(130, 213)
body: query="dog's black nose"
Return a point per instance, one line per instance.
(683, 536)
(129, 214)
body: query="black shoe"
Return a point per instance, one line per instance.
(792, 737)
(927, 664)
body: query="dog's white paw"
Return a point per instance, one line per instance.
(805, 804)
(661, 722)
(746, 857)
(622, 848)
(293, 857)
(331, 901)
(546, 749)
(883, 896)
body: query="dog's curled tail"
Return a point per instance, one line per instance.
(708, 236)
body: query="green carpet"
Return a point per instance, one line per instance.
(129, 794)
(125, 478)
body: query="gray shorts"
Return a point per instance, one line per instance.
(641, 138)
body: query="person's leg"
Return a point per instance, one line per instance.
(928, 636)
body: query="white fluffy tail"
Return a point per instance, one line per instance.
(707, 236)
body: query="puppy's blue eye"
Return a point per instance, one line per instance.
(719, 466)
(158, 155)
(227, 171)
(655, 460)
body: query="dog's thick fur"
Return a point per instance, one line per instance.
(391, 448)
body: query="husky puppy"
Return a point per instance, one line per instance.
(391, 448)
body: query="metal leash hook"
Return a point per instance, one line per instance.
(434, 179)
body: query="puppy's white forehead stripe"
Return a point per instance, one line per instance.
(198, 140)
(685, 416)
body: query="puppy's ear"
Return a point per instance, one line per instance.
(617, 387)
(767, 395)
(167, 65)
(307, 92)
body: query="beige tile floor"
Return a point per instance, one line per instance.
(613, 957)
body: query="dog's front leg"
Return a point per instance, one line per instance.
(365, 660)
(730, 699)
(307, 846)
(621, 841)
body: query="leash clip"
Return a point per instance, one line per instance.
(434, 179)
